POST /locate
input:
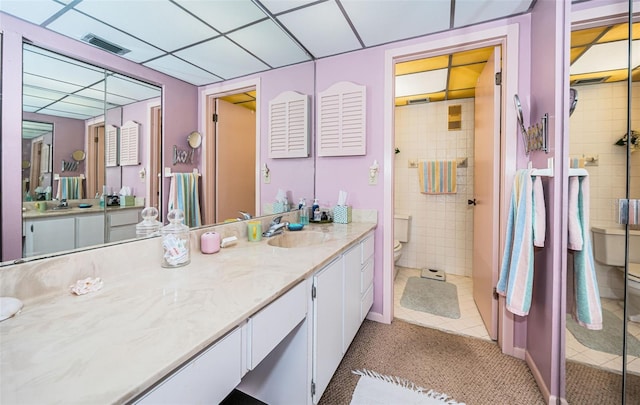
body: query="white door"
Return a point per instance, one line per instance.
(486, 182)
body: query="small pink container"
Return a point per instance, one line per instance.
(210, 242)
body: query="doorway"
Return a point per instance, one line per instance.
(432, 129)
(95, 159)
(506, 37)
(229, 155)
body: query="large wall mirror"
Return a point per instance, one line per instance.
(89, 137)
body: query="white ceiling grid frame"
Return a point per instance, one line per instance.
(222, 57)
(278, 6)
(182, 70)
(385, 21)
(268, 42)
(468, 12)
(224, 15)
(151, 21)
(342, 119)
(322, 29)
(76, 25)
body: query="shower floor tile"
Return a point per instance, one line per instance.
(470, 322)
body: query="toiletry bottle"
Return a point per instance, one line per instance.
(175, 241)
(315, 210)
(304, 214)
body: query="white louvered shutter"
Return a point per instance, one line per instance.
(289, 125)
(129, 139)
(342, 120)
(111, 145)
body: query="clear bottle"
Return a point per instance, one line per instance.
(304, 213)
(149, 225)
(175, 241)
(315, 210)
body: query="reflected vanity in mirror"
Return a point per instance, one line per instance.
(86, 138)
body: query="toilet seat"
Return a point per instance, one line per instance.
(634, 274)
(396, 245)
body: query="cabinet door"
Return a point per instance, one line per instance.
(49, 235)
(327, 327)
(352, 295)
(207, 379)
(89, 230)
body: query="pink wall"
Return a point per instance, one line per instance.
(179, 111)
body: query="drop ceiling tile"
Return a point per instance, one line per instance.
(130, 88)
(39, 62)
(424, 82)
(36, 100)
(61, 111)
(81, 101)
(223, 58)
(76, 25)
(160, 23)
(469, 12)
(385, 21)
(472, 56)
(576, 52)
(224, 15)
(458, 94)
(35, 81)
(465, 77)
(609, 56)
(620, 32)
(182, 70)
(278, 6)
(421, 65)
(268, 42)
(34, 11)
(586, 36)
(322, 29)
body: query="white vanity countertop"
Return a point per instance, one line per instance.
(75, 210)
(109, 346)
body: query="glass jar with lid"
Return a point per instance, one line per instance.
(175, 241)
(149, 225)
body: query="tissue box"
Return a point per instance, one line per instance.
(342, 214)
(127, 200)
(279, 207)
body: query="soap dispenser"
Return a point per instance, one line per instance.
(304, 214)
(315, 210)
(175, 241)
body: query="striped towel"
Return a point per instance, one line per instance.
(183, 195)
(526, 228)
(437, 176)
(585, 305)
(69, 188)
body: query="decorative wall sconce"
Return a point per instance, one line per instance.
(373, 172)
(266, 174)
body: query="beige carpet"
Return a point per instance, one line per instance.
(469, 370)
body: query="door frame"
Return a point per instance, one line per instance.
(218, 91)
(507, 37)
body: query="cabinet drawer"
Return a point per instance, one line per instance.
(367, 276)
(366, 303)
(124, 217)
(272, 324)
(207, 379)
(367, 248)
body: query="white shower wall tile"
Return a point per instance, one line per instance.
(441, 231)
(597, 123)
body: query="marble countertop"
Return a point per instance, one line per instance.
(109, 346)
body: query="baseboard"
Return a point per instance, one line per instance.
(519, 353)
(539, 380)
(376, 317)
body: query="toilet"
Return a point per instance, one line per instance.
(608, 249)
(401, 224)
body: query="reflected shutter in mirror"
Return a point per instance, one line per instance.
(289, 125)
(129, 144)
(111, 146)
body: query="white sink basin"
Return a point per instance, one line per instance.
(298, 239)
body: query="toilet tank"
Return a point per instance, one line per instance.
(401, 224)
(608, 246)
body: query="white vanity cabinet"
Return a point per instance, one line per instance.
(89, 230)
(207, 379)
(48, 235)
(122, 223)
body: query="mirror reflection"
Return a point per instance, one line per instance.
(88, 139)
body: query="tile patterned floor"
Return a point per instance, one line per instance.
(470, 323)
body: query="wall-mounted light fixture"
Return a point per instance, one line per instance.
(373, 173)
(266, 174)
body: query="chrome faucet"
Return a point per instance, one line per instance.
(245, 215)
(276, 227)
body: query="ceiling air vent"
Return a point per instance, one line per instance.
(418, 101)
(595, 80)
(104, 44)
